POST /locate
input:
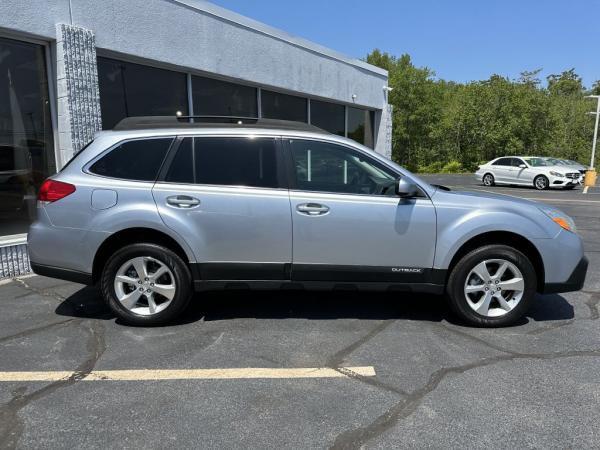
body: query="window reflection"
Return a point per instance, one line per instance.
(26, 144)
(128, 90)
(220, 98)
(361, 126)
(328, 116)
(284, 107)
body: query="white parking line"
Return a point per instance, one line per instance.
(193, 374)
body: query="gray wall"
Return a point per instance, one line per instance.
(205, 38)
(198, 36)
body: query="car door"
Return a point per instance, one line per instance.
(225, 197)
(501, 170)
(348, 224)
(524, 175)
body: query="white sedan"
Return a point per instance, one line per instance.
(527, 171)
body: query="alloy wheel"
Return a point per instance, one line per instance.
(144, 286)
(494, 287)
(488, 180)
(541, 183)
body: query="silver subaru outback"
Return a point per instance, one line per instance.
(161, 207)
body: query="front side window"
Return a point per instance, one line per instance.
(138, 160)
(225, 161)
(516, 162)
(327, 167)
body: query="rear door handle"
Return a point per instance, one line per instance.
(312, 209)
(183, 201)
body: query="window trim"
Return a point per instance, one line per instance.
(280, 164)
(86, 167)
(291, 171)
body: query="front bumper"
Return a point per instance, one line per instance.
(574, 282)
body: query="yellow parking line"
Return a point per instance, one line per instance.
(193, 374)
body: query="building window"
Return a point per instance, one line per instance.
(361, 125)
(220, 98)
(128, 89)
(282, 106)
(26, 142)
(328, 116)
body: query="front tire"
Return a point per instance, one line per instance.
(541, 182)
(492, 286)
(146, 284)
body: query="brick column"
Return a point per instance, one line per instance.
(77, 89)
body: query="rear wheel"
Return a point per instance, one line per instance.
(541, 182)
(146, 284)
(488, 179)
(492, 286)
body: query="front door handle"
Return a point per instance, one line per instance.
(312, 209)
(183, 201)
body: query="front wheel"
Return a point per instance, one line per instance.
(146, 284)
(541, 182)
(492, 286)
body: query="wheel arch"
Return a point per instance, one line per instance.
(134, 236)
(514, 240)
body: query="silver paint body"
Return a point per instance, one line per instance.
(258, 225)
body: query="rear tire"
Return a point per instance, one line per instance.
(501, 295)
(488, 180)
(157, 295)
(541, 182)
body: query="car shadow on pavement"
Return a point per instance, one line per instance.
(229, 305)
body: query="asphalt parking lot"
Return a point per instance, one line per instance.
(304, 370)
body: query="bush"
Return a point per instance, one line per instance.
(440, 167)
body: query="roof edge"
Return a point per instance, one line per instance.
(219, 12)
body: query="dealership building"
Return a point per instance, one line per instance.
(69, 68)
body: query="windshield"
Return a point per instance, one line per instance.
(537, 162)
(555, 161)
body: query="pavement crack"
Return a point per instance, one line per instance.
(35, 330)
(337, 359)
(355, 439)
(593, 303)
(11, 425)
(41, 292)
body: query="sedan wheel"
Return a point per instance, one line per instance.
(541, 182)
(488, 179)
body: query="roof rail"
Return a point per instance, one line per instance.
(191, 122)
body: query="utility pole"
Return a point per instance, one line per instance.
(597, 114)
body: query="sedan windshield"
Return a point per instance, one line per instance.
(537, 162)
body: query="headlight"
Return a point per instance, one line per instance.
(556, 174)
(560, 218)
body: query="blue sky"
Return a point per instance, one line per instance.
(460, 40)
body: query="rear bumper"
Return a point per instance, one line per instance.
(62, 274)
(574, 283)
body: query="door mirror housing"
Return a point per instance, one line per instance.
(523, 166)
(405, 188)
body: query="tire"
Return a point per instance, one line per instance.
(175, 283)
(468, 306)
(541, 182)
(488, 180)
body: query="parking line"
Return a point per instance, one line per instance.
(193, 374)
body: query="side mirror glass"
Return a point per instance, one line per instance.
(405, 188)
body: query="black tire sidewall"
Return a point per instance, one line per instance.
(180, 271)
(456, 282)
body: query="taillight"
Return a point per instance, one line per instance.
(52, 190)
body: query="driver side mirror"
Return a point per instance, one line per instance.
(523, 166)
(405, 188)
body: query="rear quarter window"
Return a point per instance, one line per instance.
(138, 160)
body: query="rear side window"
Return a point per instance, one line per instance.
(226, 162)
(502, 162)
(138, 160)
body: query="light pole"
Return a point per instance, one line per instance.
(597, 114)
